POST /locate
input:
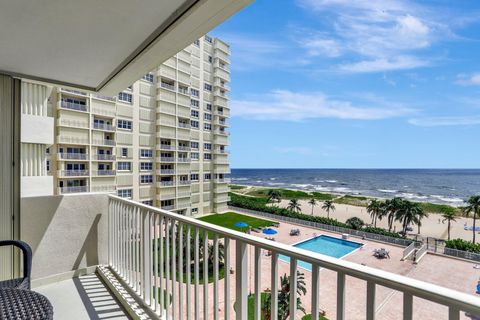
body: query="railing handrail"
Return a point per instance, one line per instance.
(418, 288)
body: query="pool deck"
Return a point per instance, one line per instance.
(448, 272)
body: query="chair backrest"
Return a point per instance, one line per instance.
(27, 254)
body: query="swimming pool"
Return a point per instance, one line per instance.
(330, 246)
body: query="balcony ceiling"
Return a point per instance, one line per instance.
(101, 45)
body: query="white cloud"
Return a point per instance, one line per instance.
(468, 80)
(383, 64)
(382, 35)
(294, 150)
(290, 106)
(445, 121)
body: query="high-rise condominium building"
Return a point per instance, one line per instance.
(162, 141)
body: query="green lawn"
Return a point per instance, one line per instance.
(229, 219)
(236, 187)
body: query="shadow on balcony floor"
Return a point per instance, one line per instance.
(85, 297)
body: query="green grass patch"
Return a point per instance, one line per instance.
(229, 219)
(237, 187)
(438, 208)
(353, 200)
(323, 196)
(309, 317)
(285, 193)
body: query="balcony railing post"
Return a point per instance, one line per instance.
(241, 295)
(370, 300)
(340, 296)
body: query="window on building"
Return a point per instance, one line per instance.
(125, 97)
(145, 179)
(207, 176)
(124, 152)
(124, 193)
(48, 165)
(148, 77)
(194, 114)
(208, 39)
(194, 124)
(207, 146)
(47, 150)
(148, 202)
(194, 103)
(196, 42)
(124, 124)
(210, 59)
(194, 155)
(194, 177)
(207, 126)
(194, 210)
(146, 153)
(146, 166)
(208, 106)
(207, 116)
(124, 166)
(207, 156)
(207, 87)
(194, 145)
(194, 92)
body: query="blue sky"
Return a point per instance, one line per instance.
(355, 84)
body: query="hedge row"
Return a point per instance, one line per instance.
(463, 245)
(260, 204)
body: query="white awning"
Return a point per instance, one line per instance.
(101, 45)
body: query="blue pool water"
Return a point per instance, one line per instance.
(326, 245)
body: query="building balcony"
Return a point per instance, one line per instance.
(183, 148)
(72, 123)
(184, 182)
(73, 106)
(104, 111)
(72, 173)
(165, 184)
(103, 126)
(221, 151)
(222, 180)
(104, 142)
(72, 156)
(103, 188)
(72, 140)
(165, 147)
(182, 159)
(184, 195)
(167, 159)
(77, 189)
(184, 125)
(101, 173)
(169, 207)
(166, 172)
(222, 198)
(104, 157)
(125, 249)
(221, 132)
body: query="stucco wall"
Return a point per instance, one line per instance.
(66, 233)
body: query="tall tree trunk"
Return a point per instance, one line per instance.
(448, 229)
(312, 209)
(474, 218)
(375, 223)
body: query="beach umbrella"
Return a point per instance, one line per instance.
(241, 224)
(269, 231)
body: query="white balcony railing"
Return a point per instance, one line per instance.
(104, 172)
(103, 126)
(223, 180)
(166, 147)
(104, 157)
(166, 183)
(72, 156)
(104, 142)
(73, 106)
(167, 159)
(73, 173)
(148, 248)
(166, 171)
(77, 189)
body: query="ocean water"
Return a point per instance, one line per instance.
(444, 186)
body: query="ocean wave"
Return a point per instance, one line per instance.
(240, 179)
(387, 190)
(273, 178)
(275, 183)
(301, 186)
(331, 181)
(413, 196)
(446, 199)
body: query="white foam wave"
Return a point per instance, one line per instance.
(239, 179)
(387, 190)
(331, 181)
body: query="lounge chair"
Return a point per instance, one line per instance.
(295, 232)
(24, 282)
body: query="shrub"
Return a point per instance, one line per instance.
(355, 223)
(260, 204)
(463, 245)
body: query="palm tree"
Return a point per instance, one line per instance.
(473, 208)
(313, 203)
(273, 195)
(328, 206)
(390, 210)
(449, 216)
(407, 213)
(420, 215)
(294, 206)
(374, 208)
(284, 297)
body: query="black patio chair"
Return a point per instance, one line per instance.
(24, 282)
